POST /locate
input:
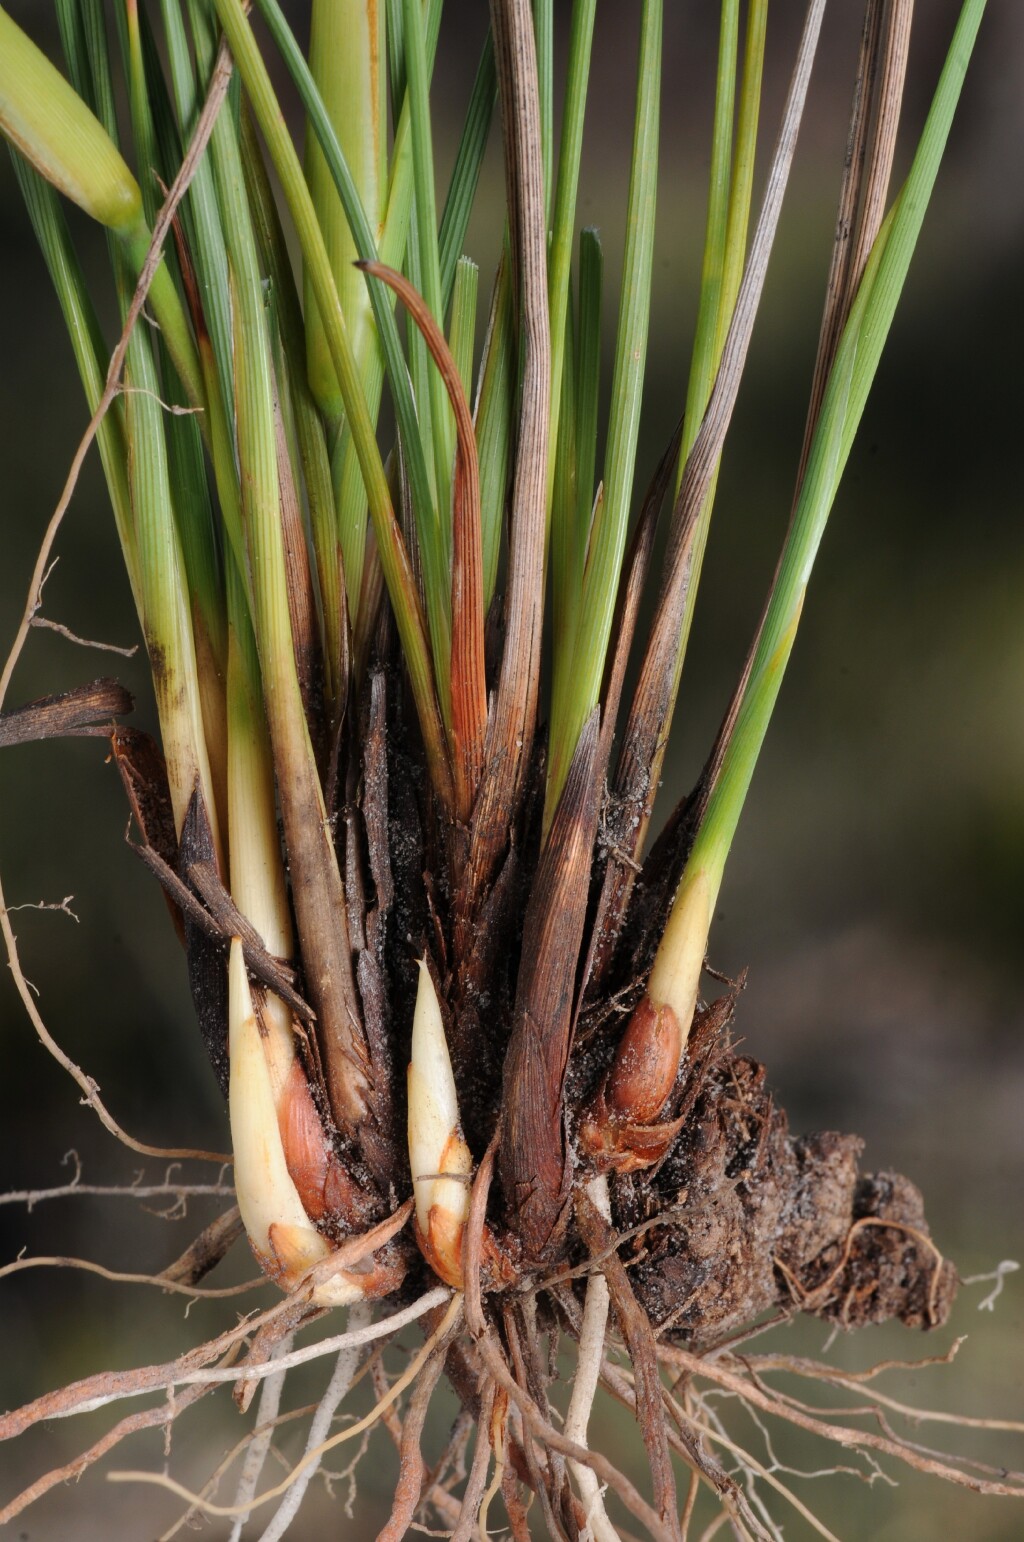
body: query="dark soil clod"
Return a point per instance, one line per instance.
(755, 1220)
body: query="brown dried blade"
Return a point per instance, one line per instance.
(468, 681)
(334, 712)
(883, 144)
(617, 834)
(646, 734)
(319, 899)
(837, 292)
(513, 720)
(193, 293)
(631, 590)
(370, 826)
(87, 709)
(867, 167)
(221, 927)
(485, 950)
(375, 795)
(263, 966)
(663, 865)
(869, 188)
(534, 1160)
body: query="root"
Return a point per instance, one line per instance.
(743, 1384)
(190, 1369)
(342, 1376)
(640, 1341)
(585, 1381)
(412, 1470)
(161, 1417)
(316, 1455)
(255, 1457)
(170, 1188)
(684, 1392)
(519, 1444)
(162, 1281)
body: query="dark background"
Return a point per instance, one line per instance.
(875, 887)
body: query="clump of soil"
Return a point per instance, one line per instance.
(741, 1218)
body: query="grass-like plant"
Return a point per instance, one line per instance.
(402, 798)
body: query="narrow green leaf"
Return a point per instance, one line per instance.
(463, 327)
(573, 503)
(608, 537)
(51, 231)
(846, 393)
(346, 60)
(208, 252)
(466, 171)
(566, 572)
(312, 445)
(588, 388)
(63, 139)
(166, 616)
(190, 492)
(351, 494)
(396, 53)
(570, 152)
(351, 505)
(394, 558)
(724, 258)
(84, 35)
(428, 279)
(544, 39)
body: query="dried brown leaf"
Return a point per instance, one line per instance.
(513, 720)
(534, 1158)
(87, 709)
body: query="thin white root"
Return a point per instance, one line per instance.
(266, 1415)
(341, 1380)
(315, 1456)
(172, 1376)
(584, 1387)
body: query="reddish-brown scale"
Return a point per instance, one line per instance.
(646, 1063)
(325, 1187)
(306, 1151)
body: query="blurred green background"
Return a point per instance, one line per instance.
(875, 887)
